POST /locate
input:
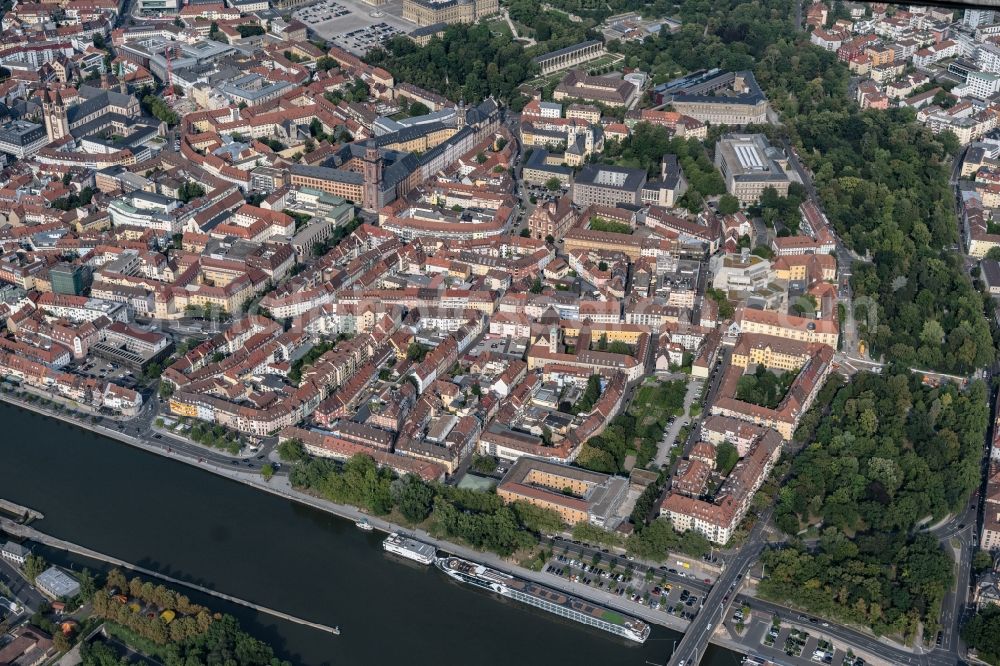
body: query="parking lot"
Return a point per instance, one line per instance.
(101, 369)
(616, 575)
(353, 24)
(794, 643)
(362, 40)
(321, 12)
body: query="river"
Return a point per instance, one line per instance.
(191, 524)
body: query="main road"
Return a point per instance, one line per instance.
(698, 635)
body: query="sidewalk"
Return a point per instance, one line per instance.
(166, 432)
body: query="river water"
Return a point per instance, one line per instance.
(196, 526)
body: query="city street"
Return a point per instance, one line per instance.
(24, 594)
(722, 596)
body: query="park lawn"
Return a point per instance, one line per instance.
(603, 61)
(658, 402)
(499, 27)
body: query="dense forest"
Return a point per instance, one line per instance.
(884, 184)
(882, 453)
(878, 580)
(469, 62)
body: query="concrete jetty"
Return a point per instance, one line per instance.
(27, 514)
(26, 532)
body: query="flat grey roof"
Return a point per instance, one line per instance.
(58, 583)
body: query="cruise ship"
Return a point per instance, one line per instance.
(411, 549)
(545, 598)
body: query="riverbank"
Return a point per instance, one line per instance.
(280, 486)
(281, 554)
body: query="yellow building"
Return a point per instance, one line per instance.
(771, 352)
(790, 327)
(627, 333)
(429, 12)
(424, 142)
(577, 495)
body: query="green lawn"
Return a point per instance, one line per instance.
(499, 27)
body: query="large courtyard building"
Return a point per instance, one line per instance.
(22, 139)
(749, 165)
(577, 495)
(607, 90)
(720, 98)
(604, 185)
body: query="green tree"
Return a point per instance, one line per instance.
(726, 457)
(88, 584)
(418, 109)
(33, 566)
(160, 109)
(982, 561)
(590, 395)
(469, 62)
(982, 632)
(190, 190)
(538, 519)
(267, 471)
(592, 534)
(728, 204)
(413, 498)
(416, 352)
(250, 30)
(292, 451)
(659, 538)
(61, 642)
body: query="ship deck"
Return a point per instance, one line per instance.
(548, 595)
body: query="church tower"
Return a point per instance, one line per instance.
(56, 122)
(373, 178)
